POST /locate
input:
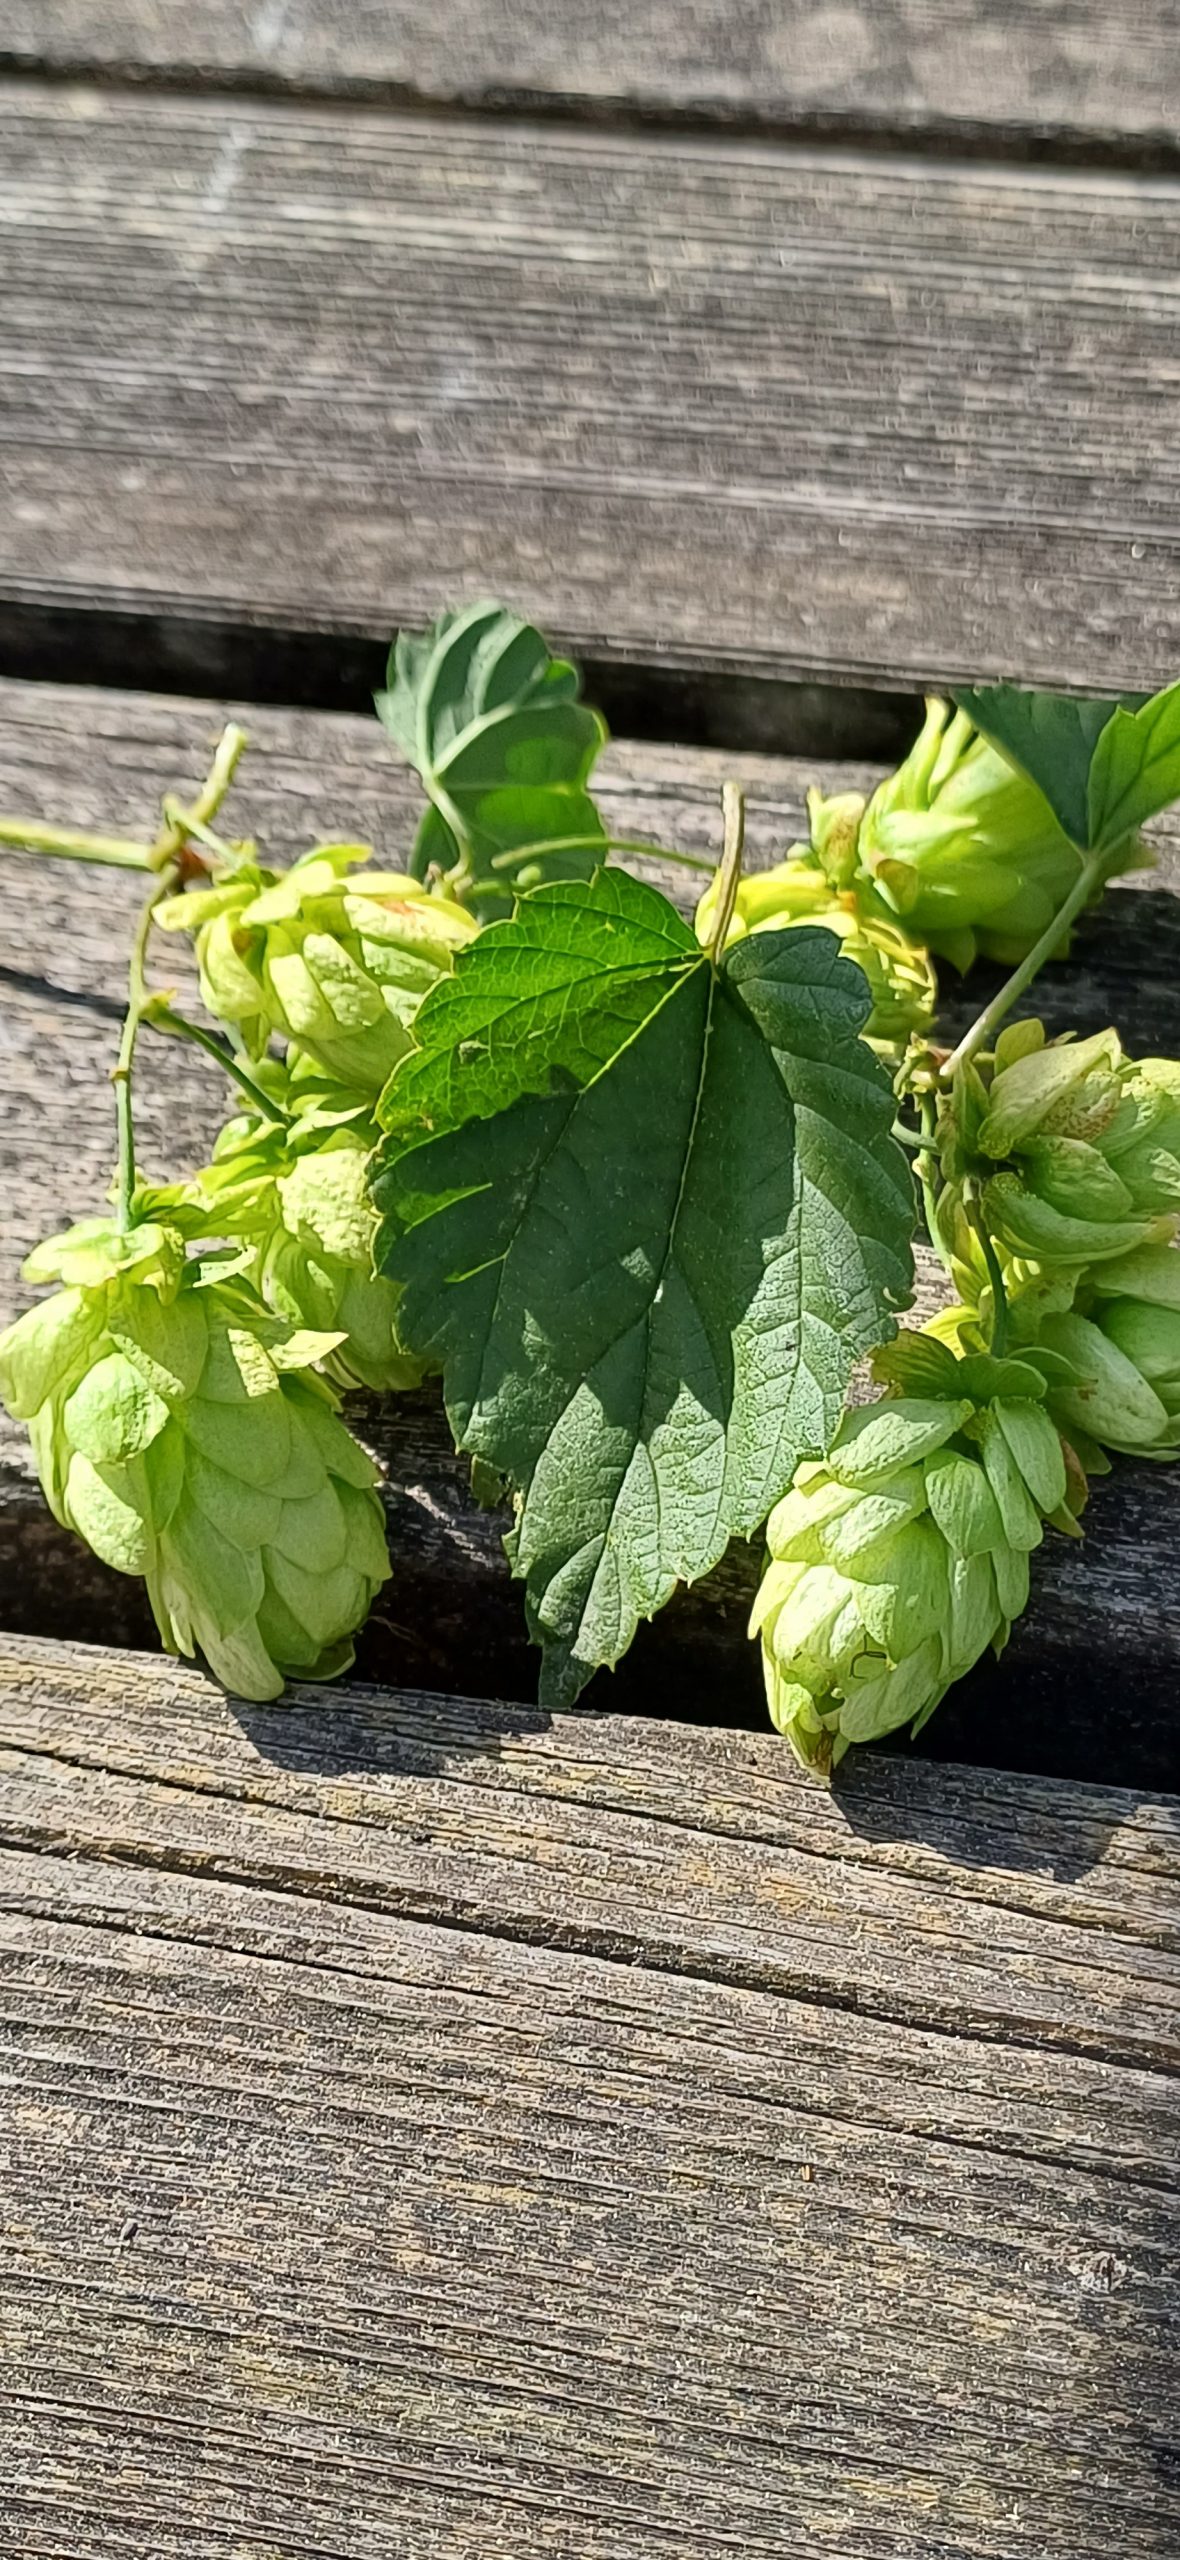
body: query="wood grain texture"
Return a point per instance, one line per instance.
(728, 407)
(1088, 1686)
(1064, 70)
(1000, 1906)
(328, 2229)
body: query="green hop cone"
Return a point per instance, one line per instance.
(901, 1558)
(183, 1432)
(966, 851)
(1122, 1344)
(331, 959)
(1071, 1148)
(901, 979)
(298, 1196)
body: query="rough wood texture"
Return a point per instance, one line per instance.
(1087, 1687)
(729, 407)
(330, 2229)
(1011, 76)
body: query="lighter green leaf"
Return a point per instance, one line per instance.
(492, 724)
(1052, 737)
(648, 1287)
(1136, 768)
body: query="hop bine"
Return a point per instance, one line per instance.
(897, 1562)
(184, 1433)
(332, 959)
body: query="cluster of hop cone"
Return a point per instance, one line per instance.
(184, 1404)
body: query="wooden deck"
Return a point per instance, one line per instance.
(429, 2129)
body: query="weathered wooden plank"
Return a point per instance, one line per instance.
(1067, 72)
(1087, 1686)
(1000, 1907)
(418, 2243)
(739, 409)
(328, 2229)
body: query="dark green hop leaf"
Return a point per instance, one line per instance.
(493, 725)
(647, 1211)
(1104, 766)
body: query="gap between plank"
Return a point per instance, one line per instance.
(916, 134)
(302, 670)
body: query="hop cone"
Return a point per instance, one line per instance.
(1073, 1148)
(337, 965)
(298, 1197)
(797, 891)
(897, 1562)
(1123, 1354)
(966, 851)
(183, 1433)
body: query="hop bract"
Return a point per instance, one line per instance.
(896, 1563)
(332, 959)
(183, 1433)
(966, 851)
(796, 892)
(297, 1194)
(1072, 1148)
(1122, 1344)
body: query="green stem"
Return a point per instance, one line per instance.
(733, 810)
(999, 1340)
(601, 844)
(980, 1035)
(164, 861)
(924, 1166)
(119, 852)
(138, 1000)
(160, 1016)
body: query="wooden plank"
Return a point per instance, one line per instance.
(735, 409)
(649, 1843)
(1065, 73)
(331, 2230)
(1087, 1687)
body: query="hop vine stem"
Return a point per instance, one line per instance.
(733, 810)
(1089, 880)
(164, 861)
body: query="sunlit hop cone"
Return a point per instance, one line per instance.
(901, 980)
(183, 1432)
(896, 1563)
(966, 851)
(1124, 1354)
(1072, 1148)
(334, 959)
(298, 1196)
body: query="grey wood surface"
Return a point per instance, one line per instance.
(736, 409)
(1009, 75)
(428, 2131)
(1088, 1685)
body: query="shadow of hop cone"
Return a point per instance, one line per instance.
(183, 1432)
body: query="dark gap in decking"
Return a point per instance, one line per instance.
(302, 670)
(1154, 152)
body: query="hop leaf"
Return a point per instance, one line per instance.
(492, 724)
(901, 980)
(332, 960)
(185, 1435)
(646, 1213)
